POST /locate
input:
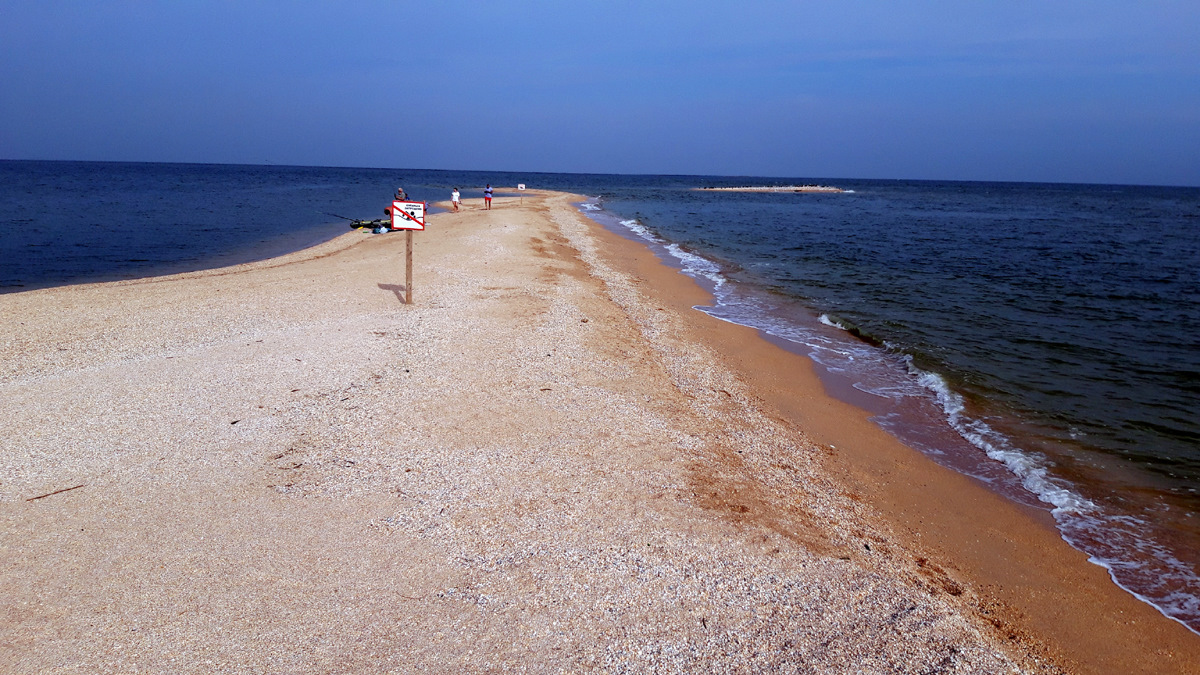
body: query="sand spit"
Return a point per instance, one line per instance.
(536, 467)
(775, 188)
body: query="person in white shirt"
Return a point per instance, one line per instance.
(455, 198)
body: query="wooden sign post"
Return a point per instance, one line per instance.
(521, 189)
(408, 267)
(408, 216)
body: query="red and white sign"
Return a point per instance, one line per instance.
(408, 215)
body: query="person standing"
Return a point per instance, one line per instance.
(455, 198)
(487, 197)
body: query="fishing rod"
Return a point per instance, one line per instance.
(357, 222)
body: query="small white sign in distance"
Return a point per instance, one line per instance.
(520, 186)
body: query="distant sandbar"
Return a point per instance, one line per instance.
(775, 188)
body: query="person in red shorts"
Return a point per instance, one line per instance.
(487, 197)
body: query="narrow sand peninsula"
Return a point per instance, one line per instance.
(547, 463)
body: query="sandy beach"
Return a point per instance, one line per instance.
(549, 462)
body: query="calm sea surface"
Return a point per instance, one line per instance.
(1042, 338)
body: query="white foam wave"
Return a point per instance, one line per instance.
(1029, 468)
(691, 263)
(1160, 583)
(697, 265)
(635, 226)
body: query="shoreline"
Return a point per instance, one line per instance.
(957, 453)
(550, 452)
(917, 514)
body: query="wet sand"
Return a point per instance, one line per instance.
(548, 462)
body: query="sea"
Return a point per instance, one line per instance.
(1041, 338)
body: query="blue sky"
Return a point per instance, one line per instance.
(1027, 91)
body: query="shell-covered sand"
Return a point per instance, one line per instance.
(530, 469)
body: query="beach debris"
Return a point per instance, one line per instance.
(50, 494)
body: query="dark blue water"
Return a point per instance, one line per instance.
(68, 222)
(1042, 338)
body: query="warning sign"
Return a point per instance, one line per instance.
(408, 215)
